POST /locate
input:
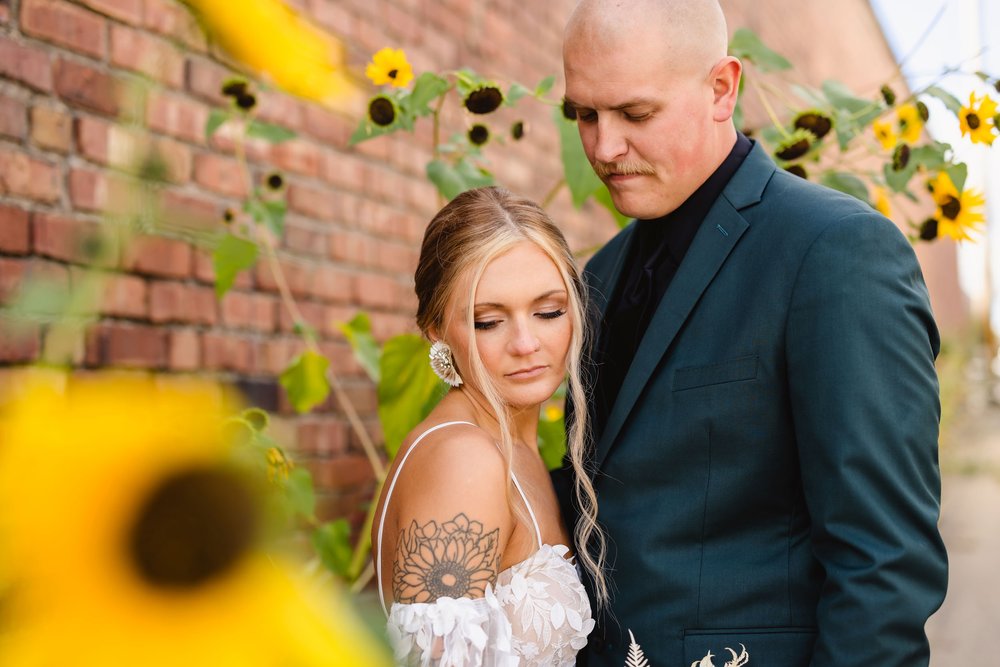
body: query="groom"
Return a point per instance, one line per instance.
(765, 404)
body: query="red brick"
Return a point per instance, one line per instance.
(67, 239)
(331, 283)
(205, 78)
(297, 275)
(185, 350)
(124, 296)
(178, 302)
(249, 311)
(315, 315)
(28, 64)
(342, 472)
(310, 201)
(127, 345)
(13, 118)
(88, 190)
(373, 290)
(304, 238)
(177, 116)
(4, 12)
(11, 276)
(331, 128)
(129, 11)
(220, 174)
(64, 24)
(353, 247)
(190, 211)
(280, 109)
(24, 176)
(51, 129)
(159, 256)
(141, 52)
(93, 138)
(86, 87)
(321, 438)
(298, 156)
(221, 352)
(173, 20)
(15, 230)
(19, 342)
(345, 171)
(273, 355)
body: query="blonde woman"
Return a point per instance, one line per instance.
(471, 554)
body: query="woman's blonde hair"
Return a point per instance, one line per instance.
(475, 227)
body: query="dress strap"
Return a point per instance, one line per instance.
(388, 495)
(531, 512)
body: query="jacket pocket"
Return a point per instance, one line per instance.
(769, 647)
(734, 370)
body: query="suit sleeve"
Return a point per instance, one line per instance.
(861, 344)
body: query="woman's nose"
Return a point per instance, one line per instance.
(524, 340)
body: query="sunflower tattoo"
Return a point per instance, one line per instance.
(454, 559)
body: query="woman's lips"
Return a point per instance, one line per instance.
(527, 373)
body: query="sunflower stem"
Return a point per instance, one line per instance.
(553, 192)
(768, 108)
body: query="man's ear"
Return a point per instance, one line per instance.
(725, 86)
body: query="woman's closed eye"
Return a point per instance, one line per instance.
(483, 325)
(551, 314)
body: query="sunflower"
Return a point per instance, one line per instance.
(390, 66)
(979, 122)
(296, 55)
(129, 534)
(882, 202)
(956, 211)
(885, 134)
(910, 123)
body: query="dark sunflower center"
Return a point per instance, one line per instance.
(973, 121)
(951, 208)
(393, 73)
(194, 526)
(381, 111)
(448, 579)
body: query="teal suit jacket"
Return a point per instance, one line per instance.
(768, 475)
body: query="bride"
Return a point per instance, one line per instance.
(471, 554)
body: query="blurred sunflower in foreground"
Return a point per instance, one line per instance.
(129, 536)
(271, 38)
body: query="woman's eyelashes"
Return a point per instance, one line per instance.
(486, 324)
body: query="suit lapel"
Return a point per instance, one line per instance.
(715, 240)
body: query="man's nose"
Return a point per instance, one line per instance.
(610, 144)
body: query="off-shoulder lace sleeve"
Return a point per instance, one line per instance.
(452, 633)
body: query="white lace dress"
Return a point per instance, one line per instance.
(537, 614)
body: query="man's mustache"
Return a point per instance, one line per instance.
(628, 168)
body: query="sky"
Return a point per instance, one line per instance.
(930, 36)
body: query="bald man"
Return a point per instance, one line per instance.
(765, 401)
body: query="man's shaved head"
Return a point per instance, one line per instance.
(680, 33)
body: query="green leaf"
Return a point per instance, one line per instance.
(738, 116)
(467, 81)
(847, 183)
(746, 44)
(305, 381)
(216, 119)
(473, 175)
(516, 92)
(427, 88)
(274, 215)
(544, 86)
(39, 300)
(603, 197)
(899, 180)
(958, 173)
(231, 256)
(332, 542)
(810, 95)
(300, 493)
(408, 390)
(369, 130)
(931, 156)
(275, 134)
(841, 97)
(580, 176)
(949, 100)
(552, 441)
(445, 178)
(358, 333)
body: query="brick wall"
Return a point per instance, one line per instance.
(356, 214)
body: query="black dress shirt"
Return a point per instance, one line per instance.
(657, 249)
